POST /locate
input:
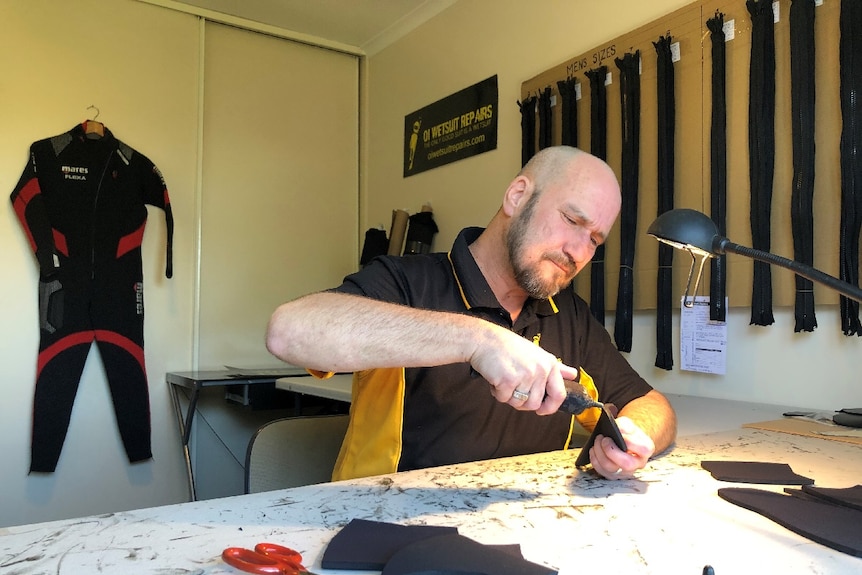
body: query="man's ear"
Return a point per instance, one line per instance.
(517, 192)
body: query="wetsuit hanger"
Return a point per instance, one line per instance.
(92, 128)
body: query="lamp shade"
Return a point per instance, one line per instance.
(685, 229)
(697, 234)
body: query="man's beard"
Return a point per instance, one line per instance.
(527, 276)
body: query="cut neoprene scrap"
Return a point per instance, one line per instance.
(850, 417)
(605, 426)
(368, 545)
(456, 554)
(834, 526)
(848, 496)
(755, 472)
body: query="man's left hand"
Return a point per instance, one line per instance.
(613, 463)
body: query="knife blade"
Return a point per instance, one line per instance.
(577, 399)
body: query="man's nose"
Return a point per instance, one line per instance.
(580, 248)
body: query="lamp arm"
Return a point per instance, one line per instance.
(724, 245)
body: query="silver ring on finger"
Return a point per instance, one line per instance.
(520, 395)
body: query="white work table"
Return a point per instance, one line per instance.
(668, 520)
(337, 387)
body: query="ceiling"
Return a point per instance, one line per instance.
(365, 25)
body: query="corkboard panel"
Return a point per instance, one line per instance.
(692, 78)
(827, 185)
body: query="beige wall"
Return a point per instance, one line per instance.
(475, 39)
(279, 188)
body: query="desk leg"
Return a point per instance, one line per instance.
(185, 425)
(187, 428)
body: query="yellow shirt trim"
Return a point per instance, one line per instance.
(372, 445)
(590, 417)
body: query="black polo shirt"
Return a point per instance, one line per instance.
(449, 414)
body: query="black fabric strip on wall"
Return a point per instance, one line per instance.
(599, 148)
(528, 129)
(569, 112)
(629, 66)
(802, 97)
(666, 126)
(850, 74)
(718, 166)
(545, 119)
(761, 151)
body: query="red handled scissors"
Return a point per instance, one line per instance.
(266, 558)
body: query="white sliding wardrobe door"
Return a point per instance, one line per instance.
(279, 200)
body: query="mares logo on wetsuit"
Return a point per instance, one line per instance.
(74, 172)
(139, 298)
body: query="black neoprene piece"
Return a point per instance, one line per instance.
(545, 119)
(847, 419)
(834, 526)
(376, 244)
(606, 426)
(755, 472)
(846, 496)
(569, 112)
(420, 233)
(629, 66)
(363, 544)
(761, 151)
(850, 75)
(599, 148)
(455, 554)
(666, 127)
(718, 165)
(802, 96)
(528, 129)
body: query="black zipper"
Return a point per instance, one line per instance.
(93, 227)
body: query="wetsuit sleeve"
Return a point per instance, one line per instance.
(155, 193)
(29, 205)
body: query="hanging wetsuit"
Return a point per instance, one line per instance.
(81, 201)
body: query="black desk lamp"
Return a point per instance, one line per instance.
(697, 234)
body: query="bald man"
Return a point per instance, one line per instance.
(461, 356)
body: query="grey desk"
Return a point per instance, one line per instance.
(337, 387)
(196, 381)
(668, 520)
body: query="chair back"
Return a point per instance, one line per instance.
(294, 451)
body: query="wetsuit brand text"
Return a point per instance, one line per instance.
(74, 172)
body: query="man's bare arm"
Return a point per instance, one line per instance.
(329, 331)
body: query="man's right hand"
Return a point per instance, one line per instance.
(513, 364)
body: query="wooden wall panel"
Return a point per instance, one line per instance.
(692, 75)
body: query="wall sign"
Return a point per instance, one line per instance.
(451, 129)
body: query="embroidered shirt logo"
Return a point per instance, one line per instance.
(74, 172)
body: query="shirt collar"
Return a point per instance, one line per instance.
(475, 290)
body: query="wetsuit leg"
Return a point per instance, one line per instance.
(118, 318)
(62, 355)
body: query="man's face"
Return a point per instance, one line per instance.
(557, 232)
